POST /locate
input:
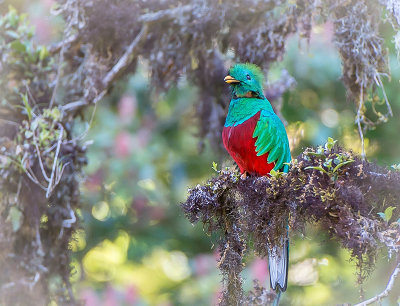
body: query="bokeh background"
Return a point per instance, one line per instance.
(135, 246)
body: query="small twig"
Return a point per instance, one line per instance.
(13, 123)
(390, 112)
(385, 292)
(29, 92)
(40, 159)
(358, 121)
(68, 222)
(57, 47)
(72, 105)
(28, 171)
(50, 187)
(39, 241)
(378, 174)
(59, 69)
(59, 174)
(165, 14)
(125, 59)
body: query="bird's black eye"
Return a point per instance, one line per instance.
(248, 77)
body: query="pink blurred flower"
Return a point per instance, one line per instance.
(43, 30)
(123, 143)
(203, 264)
(110, 298)
(157, 213)
(48, 3)
(142, 138)
(127, 108)
(217, 296)
(94, 181)
(89, 297)
(140, 204)
(259, 270)
(131, 295)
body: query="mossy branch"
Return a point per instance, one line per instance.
(327, 186)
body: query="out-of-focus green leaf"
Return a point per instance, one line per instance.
(18, 46)
(43, 53)
(317, 168)
(342, 164)
(387, 215)
(15, 216)
(214, 166)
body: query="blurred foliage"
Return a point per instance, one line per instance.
(134, 175)
(39, 163)
(136, 248)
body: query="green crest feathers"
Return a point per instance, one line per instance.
(256, 71)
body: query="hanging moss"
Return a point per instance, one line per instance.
(326, 186)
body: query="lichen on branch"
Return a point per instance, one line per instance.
(326, 186)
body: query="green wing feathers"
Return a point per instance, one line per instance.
(272, 139)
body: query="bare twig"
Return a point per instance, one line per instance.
(67, 222)
(125, 59)
(28, 171)
(114, 73)
(385, 292)
(57, 47)
(59, 70)
(165, 14)
(73, 105)
(358, 121)
(13, 123)
(40, 159)
(389, 108)
(50, 187)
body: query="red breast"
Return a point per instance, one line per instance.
(240, 144)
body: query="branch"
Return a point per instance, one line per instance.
(359, 119)
(385, 292)
(165, 14)
(125, 59)
(50, 187)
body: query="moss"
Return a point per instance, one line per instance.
(344, 203)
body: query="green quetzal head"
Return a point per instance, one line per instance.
(246, 80)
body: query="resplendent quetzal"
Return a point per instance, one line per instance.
(256, 139)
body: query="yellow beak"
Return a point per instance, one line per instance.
(228, 79)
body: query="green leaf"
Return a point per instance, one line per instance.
(396, 167)
(43, 53)
(28, 134)
(214, 166)
(330, 143)
(387, 215)
(317, 168)
(328, 163)
(18, 46)
(15, 216)
(28, 108)
(12, 34)
(13, 17)
(342, 164)
(273, 173)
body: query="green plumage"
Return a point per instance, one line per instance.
(269, 132)
(256, 139)
(272, 138)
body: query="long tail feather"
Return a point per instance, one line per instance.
(278, 262)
